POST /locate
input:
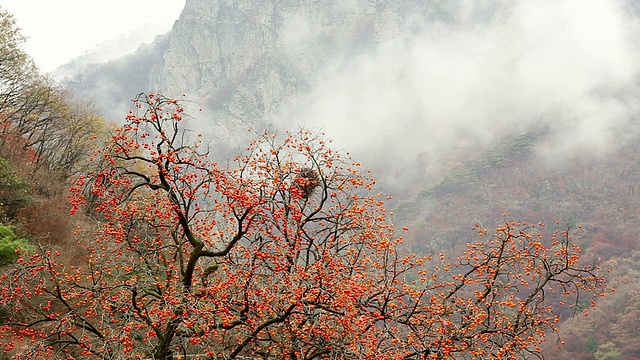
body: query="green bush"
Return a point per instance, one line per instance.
(9, 243)
(14, 191)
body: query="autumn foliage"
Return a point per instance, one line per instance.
(283, 253)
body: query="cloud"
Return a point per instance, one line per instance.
(571, 65)
(61, 30)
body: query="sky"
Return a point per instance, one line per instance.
(60, 30)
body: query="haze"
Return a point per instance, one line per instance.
(60, 30)
(570, 65)
(567, 65)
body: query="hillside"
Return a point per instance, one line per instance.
(596, 196)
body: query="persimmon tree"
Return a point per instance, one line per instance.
(283, 253)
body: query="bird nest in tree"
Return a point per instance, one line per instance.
(307, 182)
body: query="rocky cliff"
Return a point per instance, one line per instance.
(242, 60)
(426, 82)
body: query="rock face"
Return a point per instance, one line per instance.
(243, 59)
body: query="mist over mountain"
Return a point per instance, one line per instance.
(242, 60)
(109, 50)
(433, 97)
(415, 91)
(460, 85)
(420, 81)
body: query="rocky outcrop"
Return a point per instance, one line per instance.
(242, 59)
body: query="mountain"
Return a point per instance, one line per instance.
(242, 60)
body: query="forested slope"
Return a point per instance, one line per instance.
(46, 136)
(594, 194)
